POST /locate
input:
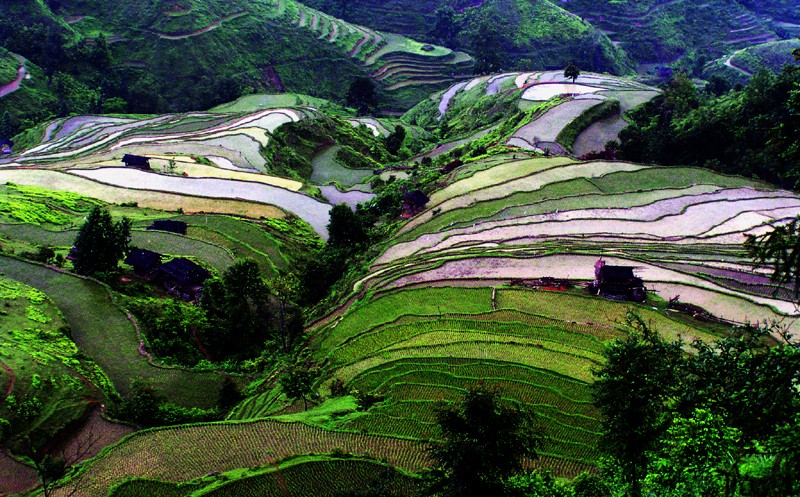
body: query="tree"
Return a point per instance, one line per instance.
(778, 249)
(483, 441)
(695, 457)
(631, 391)
(237, 308)
(362, 95)
(572, 71)
(445, 28)
(345, 228)
(286, 289)
(298, 383)
(484, 39)
(395, 140)
(101, 242)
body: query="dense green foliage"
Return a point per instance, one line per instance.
(501, 34)
(752, 132)
(101, 243)
(483, 442)
(42, 383)
(714, 422)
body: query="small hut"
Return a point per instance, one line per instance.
(178, 227)
(143, 261)
(136, 162)
(414, 203)
(183, 278)
(618, 282)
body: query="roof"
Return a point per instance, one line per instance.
(168, 225)
(616, 273)
(184, 271)
(143, 259)
(416, 197)
(135, 160)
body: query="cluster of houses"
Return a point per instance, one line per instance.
(179, 276)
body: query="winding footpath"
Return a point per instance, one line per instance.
(14, 85)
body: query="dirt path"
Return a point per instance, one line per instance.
(729, 62)
(14, 85)
(15, 477)
(11, 375)
(213, 25)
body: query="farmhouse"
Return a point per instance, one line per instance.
(178, 227)
(618, 282)
(136, 161)
(143, 261)
(413, 203)
(183, 278)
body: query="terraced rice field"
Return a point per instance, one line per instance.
(189, 452)
(104, 332)
(84, 135)
(417, 346)
(311, 210)
(538, 134)
(56, 180)
(498, 222)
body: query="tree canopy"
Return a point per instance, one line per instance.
(572, 71)
(362, 95)
(101, 242)
(483, 441)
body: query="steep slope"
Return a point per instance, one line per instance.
(740, 65)
(191, 55)
(659, 31)
(536, 111)
(534, 34)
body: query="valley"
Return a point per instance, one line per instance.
(275, 247)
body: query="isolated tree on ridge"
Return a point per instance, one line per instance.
(572, 71)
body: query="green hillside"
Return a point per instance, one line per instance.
(191, 55)
(536, 34)
(741, 65)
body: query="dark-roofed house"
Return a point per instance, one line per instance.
(6, 147)
(413, 203)
(183, 278)
(178, 227)
(144, 262)
(618, 282)
(136, 161)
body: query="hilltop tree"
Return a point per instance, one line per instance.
(101, 243)
(483, 441)
(572, 71)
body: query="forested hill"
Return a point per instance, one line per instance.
(548, 32)
(179, 55)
